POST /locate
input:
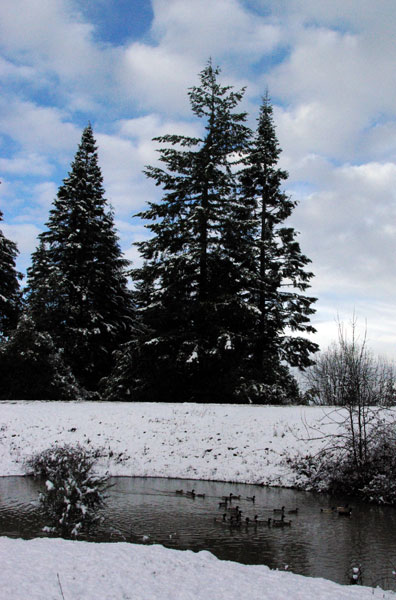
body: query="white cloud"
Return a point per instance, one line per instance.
(122, 162)
(375, 320)
(345, 230)
(124, 155)
(156, 79)
(30, 163)
(24, 235)
(11, 71)
(130, 233)
(203, 28)
(50, 35)
(37, 128)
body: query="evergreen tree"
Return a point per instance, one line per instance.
(77, 286)
(221, 290)
(10, 295)
(32, 369)
(190, 287)
(278, 284)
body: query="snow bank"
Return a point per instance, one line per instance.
(237, 443)
(38, 570)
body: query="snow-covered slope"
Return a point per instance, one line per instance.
(215, 442)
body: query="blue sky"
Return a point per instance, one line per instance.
(125, 66)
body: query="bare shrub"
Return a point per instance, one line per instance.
(359, 456)
(348, 374)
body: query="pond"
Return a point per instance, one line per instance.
(148, 510)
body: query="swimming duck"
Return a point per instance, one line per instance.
(344, 510)
(200, 495)
(223, 504)
(251, 498)
(191, 494)
(281, 522)
(328, 510)
(234, 522)
(179, 492)
(277, 522)
(233, 509)
(222, 520)
(279, 510)
(293, 511)
(233, 497)
(257, 521)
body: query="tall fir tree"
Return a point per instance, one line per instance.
(278, 284)
(10, 293)
(190, 287)
(77, 284)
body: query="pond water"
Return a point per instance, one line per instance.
(147, 510)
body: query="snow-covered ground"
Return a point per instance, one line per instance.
(219, 442)
(196, 441)
(88, 571)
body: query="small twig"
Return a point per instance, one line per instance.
(60, 586)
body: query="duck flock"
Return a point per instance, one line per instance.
(233, 514)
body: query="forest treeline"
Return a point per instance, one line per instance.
(218, 311)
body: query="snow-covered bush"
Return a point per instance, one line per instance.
(73, 493)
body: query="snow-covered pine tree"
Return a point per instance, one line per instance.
(77, 284)
(278, 284)
(31, 368)
(190, 287)
(10, 294)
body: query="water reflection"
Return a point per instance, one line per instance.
(148, 510)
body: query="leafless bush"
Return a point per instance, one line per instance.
(357, 392)
(348, 374)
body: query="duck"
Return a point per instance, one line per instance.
(191, 494)
(233, 509)
(227, 498)
(200, 495)
(222, 520)
(251, 498)
(257, 521)
(179, 492)
(281, 522)
(328, 510)
(223, 504)
(233, 497)
(293, 511)
(236, 514)
(277, 522)
(279, 510)
(344, 510)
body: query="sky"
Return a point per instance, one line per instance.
(125, 66)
